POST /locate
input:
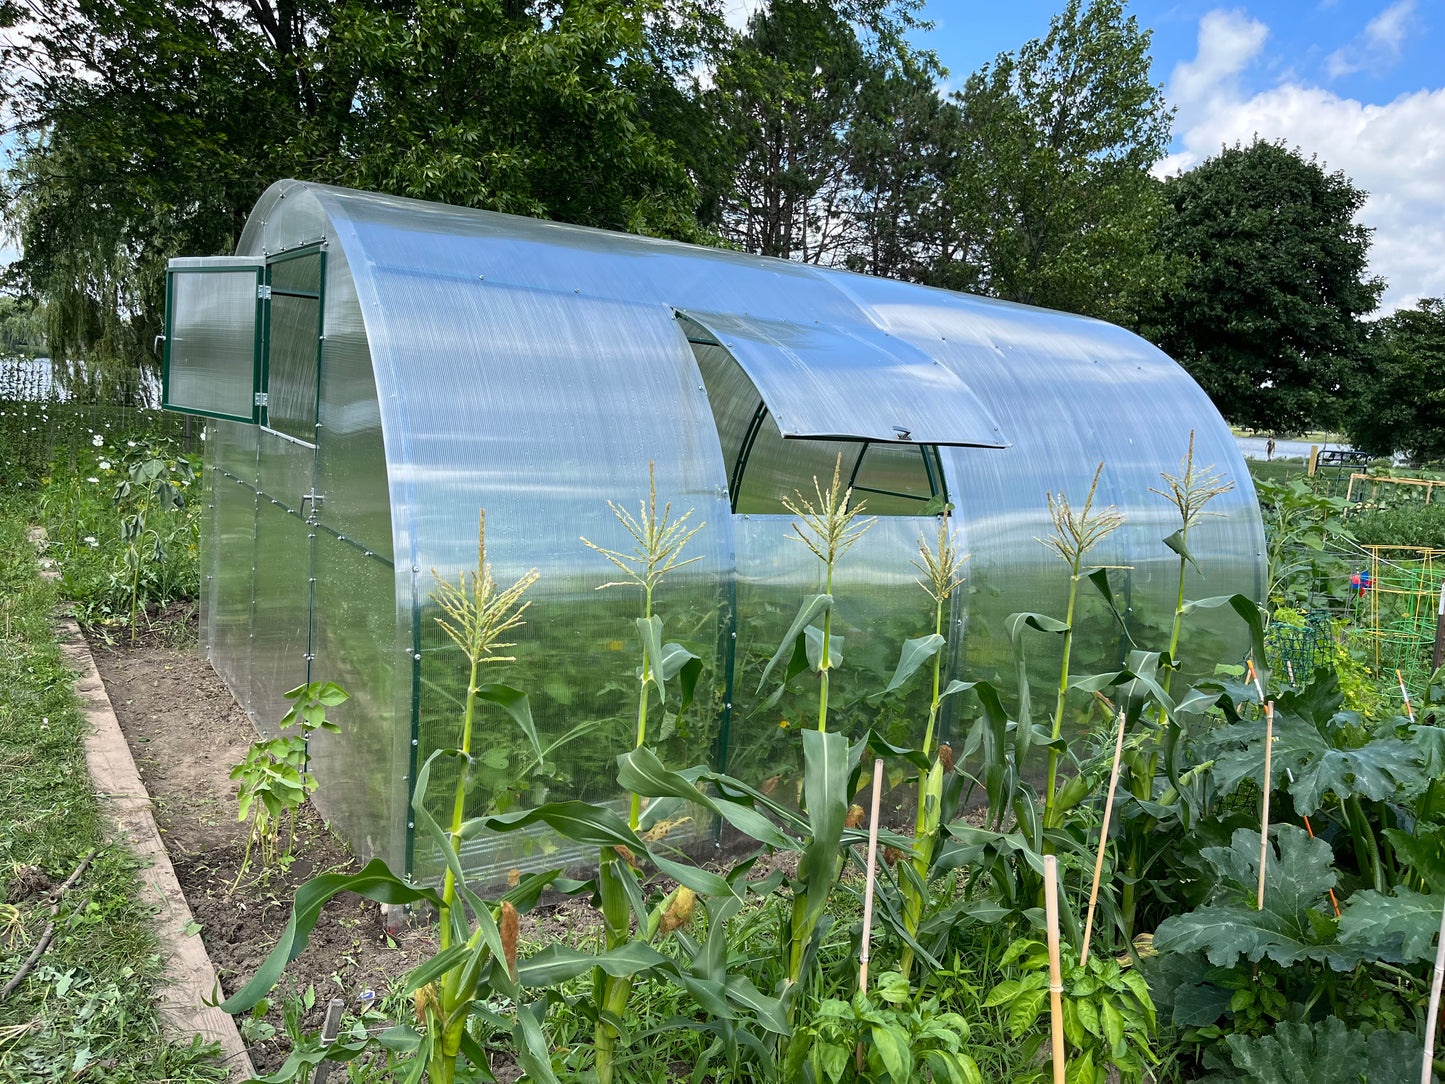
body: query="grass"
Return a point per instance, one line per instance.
(87, 1007)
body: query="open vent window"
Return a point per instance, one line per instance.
(243, 336)
(214, 338)
(790, 399)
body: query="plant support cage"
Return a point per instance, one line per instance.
(375, 370)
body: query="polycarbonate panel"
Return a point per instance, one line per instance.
(543, 448)
(299, 273)
(351, 453)
(355, 643)
(878, 606)
(855, 381)
(291, 357)
(227, 553)
(281, 571)
(1129, 407)
(212, 337)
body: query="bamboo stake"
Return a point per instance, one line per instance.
(1434, 1014)
(1264, 814)
(872, 873)
(1103, 833)
(1056, 978)
(1409, 709)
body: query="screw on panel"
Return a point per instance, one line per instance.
(413, 741)
(417, 658)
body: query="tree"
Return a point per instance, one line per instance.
(1267, 317)
(1400, 402)
(150, 128)
(1051, 186)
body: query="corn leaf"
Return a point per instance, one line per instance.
(814, 606)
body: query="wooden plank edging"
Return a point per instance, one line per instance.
(189, 977)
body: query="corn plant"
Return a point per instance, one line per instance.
(830, 525)
(274, 777)
(658, 543)
(942, 568)
(1076, 534)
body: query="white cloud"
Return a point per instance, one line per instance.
(1378, 47)
(1395, 151)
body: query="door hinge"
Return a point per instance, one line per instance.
(263, 293)
(262, 399)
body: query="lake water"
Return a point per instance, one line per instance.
(1253, 447)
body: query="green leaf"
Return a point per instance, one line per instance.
(561, 963)
(813, 607)
(825, 795)
(1301, 1053)
(1401, 928)
(650, 630)
(1253, 617)
(375, 882)
(1377, 770)
(514, 703)
(891, 1045)
(641, 772)
(1288, 930)
(1176, 543)
(530, 1048)
(813, 648)
(915, 653)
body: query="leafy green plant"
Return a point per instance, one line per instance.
(1299, 522)
(1305, 1053)
(153, 483)
(1109, 1018)
(887, 1036)
(274, 777)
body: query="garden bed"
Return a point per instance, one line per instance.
(186, 732)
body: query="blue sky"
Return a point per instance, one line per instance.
(1360, 83)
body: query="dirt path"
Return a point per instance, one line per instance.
(186, 732)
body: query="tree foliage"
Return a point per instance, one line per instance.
(1266, 317)
(1400, 401)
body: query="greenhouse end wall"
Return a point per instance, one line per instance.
(471, 361)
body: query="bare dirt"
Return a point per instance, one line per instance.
(185, 732)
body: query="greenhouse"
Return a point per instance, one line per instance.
(377, 370)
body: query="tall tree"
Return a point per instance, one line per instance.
(1267, 317)
(790, 94)
(151, 127)
(1052, 184)
(1399, 404)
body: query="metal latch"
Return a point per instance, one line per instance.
(262, 399)
(315, 499)
(263, 293)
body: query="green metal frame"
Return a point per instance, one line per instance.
(257, 349)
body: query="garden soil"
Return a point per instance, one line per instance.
(186, 732)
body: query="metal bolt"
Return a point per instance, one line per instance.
(417, 657)
(416, 568)
(411, 824)
(413, 741)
